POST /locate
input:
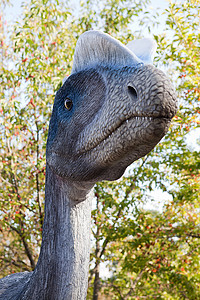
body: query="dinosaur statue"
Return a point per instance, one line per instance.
(112, 110)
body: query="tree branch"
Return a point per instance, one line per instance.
(134, 283)
(27, 250)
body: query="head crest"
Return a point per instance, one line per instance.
(97, 48)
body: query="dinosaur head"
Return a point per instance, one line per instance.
(112, 110)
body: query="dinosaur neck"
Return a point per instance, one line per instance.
(62, 269)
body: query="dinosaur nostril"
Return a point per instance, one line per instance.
(132, 92)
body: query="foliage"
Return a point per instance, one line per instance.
(28, 83)
(149, 254)
(35, 57)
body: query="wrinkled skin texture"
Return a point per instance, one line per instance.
(117, 117)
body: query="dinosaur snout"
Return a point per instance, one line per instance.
(155, 93)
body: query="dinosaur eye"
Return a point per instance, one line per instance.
(68, 104)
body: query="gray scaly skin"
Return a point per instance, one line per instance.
(118, 114)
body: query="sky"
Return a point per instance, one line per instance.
(14, 10)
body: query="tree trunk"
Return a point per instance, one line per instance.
(96, 283)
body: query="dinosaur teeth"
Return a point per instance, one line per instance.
(140, 118)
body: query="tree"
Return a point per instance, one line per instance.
(27, 89)
(151, 254)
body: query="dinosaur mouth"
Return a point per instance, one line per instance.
(137, 123)
(137, 120)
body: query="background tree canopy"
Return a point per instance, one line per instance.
(151, 250)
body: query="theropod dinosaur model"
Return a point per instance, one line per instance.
(112, 110)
